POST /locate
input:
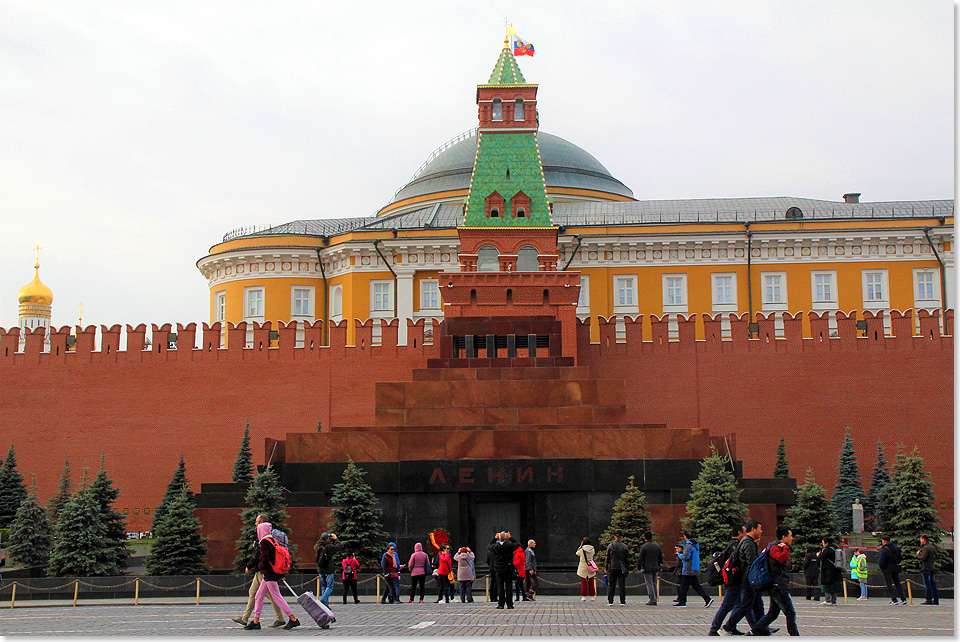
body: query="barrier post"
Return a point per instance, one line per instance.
(377, 598)
(198, 590)
(76, 590)
(318, 586)
(658, 586)
(910, 591)
(487, 591)
(844, 591)
(720, 592)
(13, 596)
(136, 591)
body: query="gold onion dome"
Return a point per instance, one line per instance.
(35, 292)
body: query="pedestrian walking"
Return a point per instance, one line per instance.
(928, 558)
(520, 573)
(503, 547)
(255, 584)
(649, 563)
(750, 605)
(391, 570)
(532, 582)
(811, 573)
(466, 572)
(617, 567)
(419, 565)
(889, 563)
(265, 561)
(690, 572)
(831, 579)
(444, 574)
(351, 567)
(731, 592)
(858, 564)
(587, 570)
(778, 554)
(326, 550)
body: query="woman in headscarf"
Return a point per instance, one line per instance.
(264, 556)
(419, 565)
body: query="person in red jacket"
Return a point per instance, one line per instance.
(444, 569)
(520, 563)
(349, 576)
(265, 556)
(779, 554)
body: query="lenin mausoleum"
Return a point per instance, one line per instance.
(504, 343)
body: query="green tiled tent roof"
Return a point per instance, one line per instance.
(506, 71)
(498, 153)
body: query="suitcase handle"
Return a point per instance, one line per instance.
(295, 596)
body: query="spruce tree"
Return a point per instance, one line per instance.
(79, 537)
(714, 507)
(358, 517)
(31, 533)
(849, 487)
(781, 470)
(243, 466)
(878, 482)
(62, 496)
(264, 496)
(179, 548)
(811, 519)
(12, 489)
(911, 502)
(175, 488)
(630, 518)
(115, 552)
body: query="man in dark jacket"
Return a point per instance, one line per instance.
(492, 565)
(326, 549)
(778, 554)
(811, 573)
(503, 547)
(751, 604)
(731, 592)
(889, 563)
(928, 557)
(649, 562)
(617, 565)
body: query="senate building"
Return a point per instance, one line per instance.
(509, 340)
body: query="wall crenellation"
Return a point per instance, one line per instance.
(298, 340)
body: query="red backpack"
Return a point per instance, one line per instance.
(281, 557)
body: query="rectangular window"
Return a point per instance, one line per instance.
(625, 288)
(926, 287)
(253, 304)
(220, 306)
(673, 290)
(722, 289)
(773, 288)
(302, 302)
(874, 286)
(381, 297)
(823, 287)
(583, 303)
(429, 295)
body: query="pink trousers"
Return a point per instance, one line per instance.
(274, 589)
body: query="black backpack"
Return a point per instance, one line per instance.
(715, 569)
(348, 572)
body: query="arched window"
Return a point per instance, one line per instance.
(527, 259)
(336, 301)
(497, 109)
(518, 110)
(488, 259)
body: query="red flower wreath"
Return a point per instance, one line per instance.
(438, 538)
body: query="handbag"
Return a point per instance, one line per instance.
(450, 576)
(592, 566)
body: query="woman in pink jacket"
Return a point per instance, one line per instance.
(419, 565)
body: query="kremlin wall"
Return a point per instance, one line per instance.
(508, 340)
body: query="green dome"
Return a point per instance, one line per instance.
(565, 165)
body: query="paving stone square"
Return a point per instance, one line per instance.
(547, 616)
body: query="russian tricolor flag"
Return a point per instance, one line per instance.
(521, 48)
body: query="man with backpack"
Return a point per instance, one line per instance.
(750, 604)
(778, 569)
(889, 563)
(255, 585)
(731, 592)
(326, 548)
(690, 573)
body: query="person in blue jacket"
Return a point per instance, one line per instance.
(690, 572)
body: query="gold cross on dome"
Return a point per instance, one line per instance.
(37, 250)
(80, 321)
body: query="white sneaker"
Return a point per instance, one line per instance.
(583, 599)
(593, 599)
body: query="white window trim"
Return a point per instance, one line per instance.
(724, 309)
(339, 315)
(925, 303)
(770, 306)
(312, 312)
(633, 308)
(219, 306)
(386, 313)
(247, 291)
(430, 311)
(876, 304)
(675, 308)
(828, 304)
(584, 310)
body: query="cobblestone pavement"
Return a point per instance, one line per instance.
(546, 616)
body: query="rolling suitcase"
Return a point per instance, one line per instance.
(316, 609)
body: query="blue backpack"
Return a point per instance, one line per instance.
(759, 574)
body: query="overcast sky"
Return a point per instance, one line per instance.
(133, 135)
